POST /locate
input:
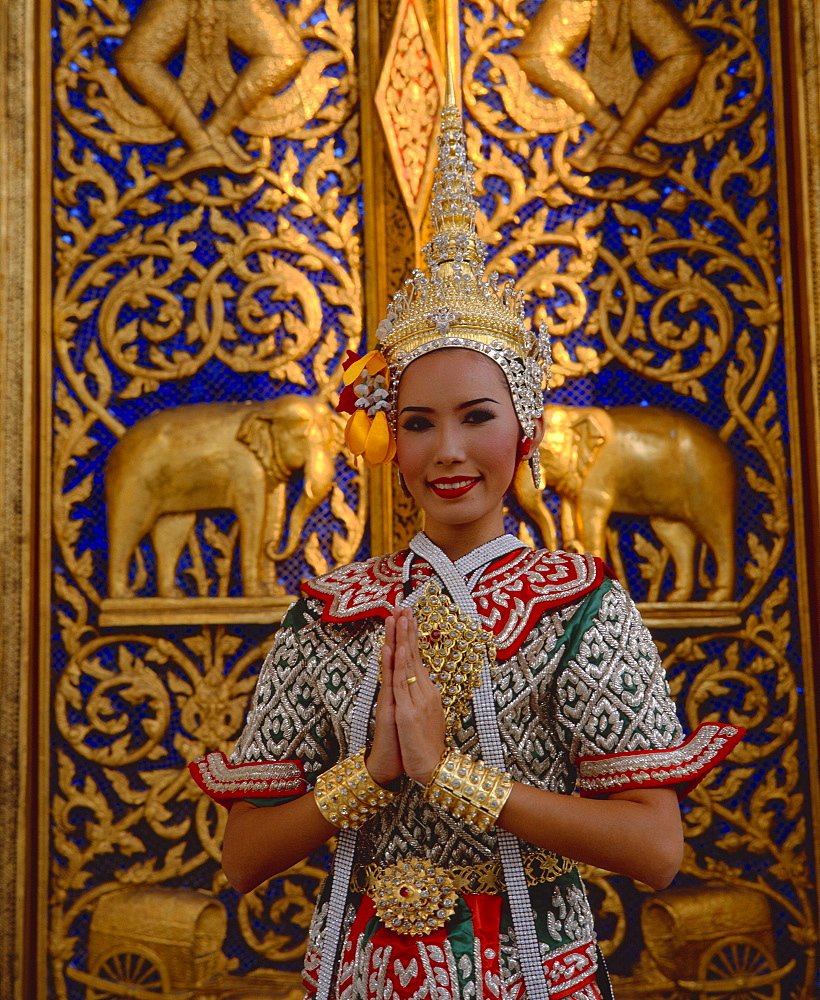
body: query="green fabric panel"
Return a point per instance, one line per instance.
(270, 800)
(583, 617)
(461, 936)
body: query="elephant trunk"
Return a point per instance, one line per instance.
(319, 475)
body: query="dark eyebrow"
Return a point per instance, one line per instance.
(461, 406)
(475, 402)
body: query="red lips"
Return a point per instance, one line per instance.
(452, 487)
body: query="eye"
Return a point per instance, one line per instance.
(416, 422)
(479, 416)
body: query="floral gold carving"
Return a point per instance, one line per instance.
(207, 308)
(409, 96)
(220, 284)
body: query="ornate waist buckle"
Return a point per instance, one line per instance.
(416, 897)
(413, 896)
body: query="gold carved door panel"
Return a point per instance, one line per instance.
(236, 188)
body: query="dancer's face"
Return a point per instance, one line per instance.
(457, 437)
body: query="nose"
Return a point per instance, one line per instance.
(450, 444)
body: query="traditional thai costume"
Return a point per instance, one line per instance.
(580, 699)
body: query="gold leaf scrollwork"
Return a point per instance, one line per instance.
(276, 924)
(158, 345)
(671, 349)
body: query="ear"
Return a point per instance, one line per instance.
(590, 434)
(535, 440)
(255, 432)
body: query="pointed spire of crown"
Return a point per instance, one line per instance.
(453, 208)
(454, 303)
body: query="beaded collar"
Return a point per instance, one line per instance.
(512, 592)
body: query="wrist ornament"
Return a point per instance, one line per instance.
(469, 789)
(346, 794)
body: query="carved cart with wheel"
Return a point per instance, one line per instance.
(713, 941)
(150, 942)
(155, 943)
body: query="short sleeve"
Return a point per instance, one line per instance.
(287, 739)
(616, 714)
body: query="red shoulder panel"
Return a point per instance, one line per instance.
(510, 596)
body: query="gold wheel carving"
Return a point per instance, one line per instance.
(741, 968)
(135, 973)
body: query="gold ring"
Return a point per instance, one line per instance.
(411, 680)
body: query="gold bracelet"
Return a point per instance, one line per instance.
(346, 794)
(469, 789)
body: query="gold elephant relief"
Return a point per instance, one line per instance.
(211, 456)
(643, 461)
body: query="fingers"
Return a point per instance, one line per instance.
(419, 713)
(411, 679)
(402, 669)
(407, 661)
(384, 760)
(388, 651)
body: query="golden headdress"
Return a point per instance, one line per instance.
(453, 304)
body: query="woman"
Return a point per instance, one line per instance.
(436, 707)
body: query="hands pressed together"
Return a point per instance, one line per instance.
(636, 833)
(409, 730)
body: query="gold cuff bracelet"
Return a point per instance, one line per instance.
(346, 794)
(468, 789)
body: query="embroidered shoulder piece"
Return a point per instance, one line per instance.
(361, 589)
(683, 766)
(226, 782)
(511, 595)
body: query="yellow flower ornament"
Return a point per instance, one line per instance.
(366, 398)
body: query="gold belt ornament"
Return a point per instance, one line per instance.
(413, 897)
(486, 878)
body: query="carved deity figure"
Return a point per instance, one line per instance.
(207, 30)
(610, 78)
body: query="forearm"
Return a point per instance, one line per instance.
(635, 833)
(262, 842)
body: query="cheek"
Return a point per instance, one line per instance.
(502, 446)
(409, 453)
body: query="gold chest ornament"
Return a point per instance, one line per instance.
(453, 647)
